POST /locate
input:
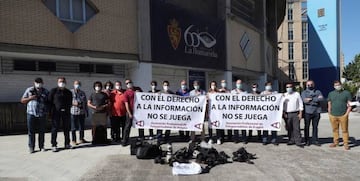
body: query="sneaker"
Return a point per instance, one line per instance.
(54, 149)
(42, 149)
(333, 145)
(211, 142)
(346, 147)
(68, 146)
(73, 143)
(83, 141)
(218, 141)
(31, 150)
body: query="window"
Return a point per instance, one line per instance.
(290, 31)
(290, 11)
(104, 69)
(73, 13)
(304, 11)
(304, 31)
(321, 12)
(245, 45)
(305, 70)
(304, 50)
(291, 70)
(88, 68)
(291, 51)
(26, 65)
(47, 66)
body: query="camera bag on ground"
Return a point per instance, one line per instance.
(241, 155)
(134, 145)
(148, 151)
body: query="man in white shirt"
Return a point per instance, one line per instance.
(293, 107)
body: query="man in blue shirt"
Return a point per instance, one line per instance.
(311, 98)
(36, 98)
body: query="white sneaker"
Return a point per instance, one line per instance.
(211, 142)
(42, 149)
(54, 149)
(218, 142)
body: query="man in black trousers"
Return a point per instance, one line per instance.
(60, 99)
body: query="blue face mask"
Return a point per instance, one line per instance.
(238, 86)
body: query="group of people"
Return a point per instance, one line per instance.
(69, 108)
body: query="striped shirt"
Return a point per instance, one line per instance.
(78, 97)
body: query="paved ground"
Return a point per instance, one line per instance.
(113, 162)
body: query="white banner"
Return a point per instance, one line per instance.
(246, 111)
(169, 112)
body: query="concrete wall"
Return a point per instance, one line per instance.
(30, 22)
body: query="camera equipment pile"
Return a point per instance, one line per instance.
(202, 153)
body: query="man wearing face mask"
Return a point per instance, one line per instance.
(339, 109)
(99, 103)
(153, 89)
(293, 107)
(224, 89)
(118, 112)
(79, 111)
(239, 90)
(165, 90)
(196, 92)
(60, 99)
(183, 91)
(129, 105)
(36, 100)
(268, 90)
(254, 91)
(311, 98)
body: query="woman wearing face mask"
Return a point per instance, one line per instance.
(108, 87)
(99, 102)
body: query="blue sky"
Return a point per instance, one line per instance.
(350, 29)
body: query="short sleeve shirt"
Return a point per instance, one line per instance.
(98, 99)
(339, 100)
(38, 107)
(117, 100)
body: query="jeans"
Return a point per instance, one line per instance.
(77, 123)
(58, 117)
(36, 124)
(266, 135)
(126, 135)
(315, 122)
(344, 123)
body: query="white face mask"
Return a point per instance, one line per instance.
(153, 87)
(38, 85)
(129, 85)
(268, 88)
(238, 86)
(213, 87)
(223, 85)
(338, 87)
(97, 88)
(117, 87)
(289, 90)
(107, 87)
(196, 87)
(166, 88)
(254, 89)
(77, 86)
(61, 84)
(183, 87)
